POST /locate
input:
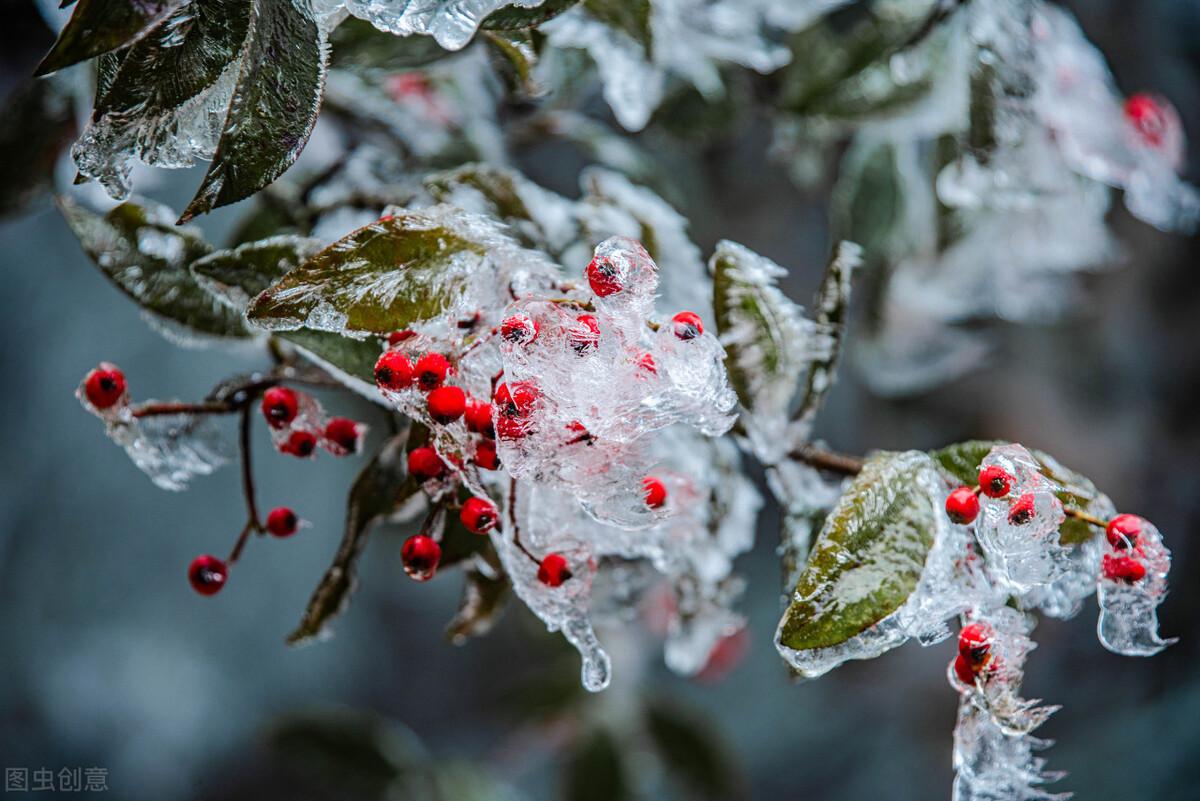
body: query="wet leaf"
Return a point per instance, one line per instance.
(36, 122)
(379, 488)
(690, 751)
(595, 771)
(518, 53)
(98, 26)
(829, 313)
(482, 602)
(139, 248)
(236, 275)
(358, 46)
(869, 555)
(513, 19)
(274, 105)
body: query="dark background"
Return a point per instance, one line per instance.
(109, 659)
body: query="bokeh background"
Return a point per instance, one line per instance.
(108, 659)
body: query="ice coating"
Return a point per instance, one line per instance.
(1128, 622)
(1019, 532)
(451, 23)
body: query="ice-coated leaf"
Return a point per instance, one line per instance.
(37, 121)
(514, 18)
(518, 51)
(767, 340)
(868, 558)
(829, 313)
(99, 26)
(399, 271)
(482, 602)
(451, 23)
(358, 46)
(630, 16)
(139, 248)
(237, 275)
(273, 107)
(381, 486)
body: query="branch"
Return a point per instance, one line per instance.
(827, 460)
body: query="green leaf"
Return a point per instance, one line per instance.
(139, 249)
(499, 187)
(867, 205)
(514, 18)
(691, 752)
(98, 26)
(36, 122)
(380, 487)
(237, 275)
(358, 46)
(595, 772)
(829, 313)
(961, 461)
(869, 555)
(629, 16)
(517, 54)
(353, 357)
(274, 105)
(392, 274)
(482, 602)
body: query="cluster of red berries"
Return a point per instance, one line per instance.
(208, 574)
(975, 658)
(297, 426)
(1124, 534)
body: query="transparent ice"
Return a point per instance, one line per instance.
(1128, 621)
(451, 22)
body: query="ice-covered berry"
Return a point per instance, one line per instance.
(964, 670)
(280, 405)
(1124, 531)
(485, 455)
(420, 555)
(104, 386)
(446, 404)
(207, 574)
(282, 522)
(519, 329)
(478, 417)
(584, 333)
(687, 325)
(553, 570)
(1022, 510)
(343, 432)
(478, 515)
(995, 482)
(962, 505)
(393, 371)
(511, 427)
(1123, 568)
(604, 277)
(424, 463)
(655, 492)
(1149, 117)
(431, 371)
(396, 337)
(975, 642)
(517, 399)
(300, 443)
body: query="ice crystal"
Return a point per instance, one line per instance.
(451, 23)
(1128, 621)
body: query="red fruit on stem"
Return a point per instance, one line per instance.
(962, 505)
(519, 329)
(1123, 568)
(553, 570)
(420, 555)
(393, 371)
(282, 522)
(280, 406)
(975, 642)
(478, 417)
(964, 670)
(1148, 117)
(479, 515)
(301, 444)
(343, 432)
(446, 404)
(603, 277)
(1124, 531)
(995, 482)
(424, 463)
(687, 325)
(655, 492)
(104, 386)
(584, 335)
(1022, 510)
(485, 455)
(207, 574)
(430, 371)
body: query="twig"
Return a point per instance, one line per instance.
(247, 469)
(204, 407)
(1079, 514)
(828, 460)
(512, 520)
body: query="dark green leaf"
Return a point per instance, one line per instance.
(379, 488)
(594, 772)
(137, 246)
(829, 313)
(274, 105)
(518, 53)
(354, 357)
(98, 26)
(869, 555)
(237, 275)
(690, 752)
(36, 122)
(630, 16)
(512, 19)
(358, 46)
(481, 604)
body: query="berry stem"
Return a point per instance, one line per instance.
(1079, 514)
(204, 407)
(583, 305)
(247, 476)
(827, 460)
(512, 522)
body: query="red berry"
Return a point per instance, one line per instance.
(519, 329)
(1148, 118)
(424, 463)
(584, 334)
(962, 505)
(104, 386)
(1022, 510)
(964, 671)
(975, 642)
(485, 455)
(282, 522)
(420, 555)
(207, 574)
(553, 570)
(300, 443)
(687, 325)
(478, 417)
(516, 400)
(1124, 531)
(478, 515)
(430, 371)
(446, 404)
(343, 432)
(654, 491)
(280, 406)
(512, 427)
(995, 482)
(604, 277)
(393, 371)
(396, 337)
(1123, 568)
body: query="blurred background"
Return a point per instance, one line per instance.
(110, 660)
